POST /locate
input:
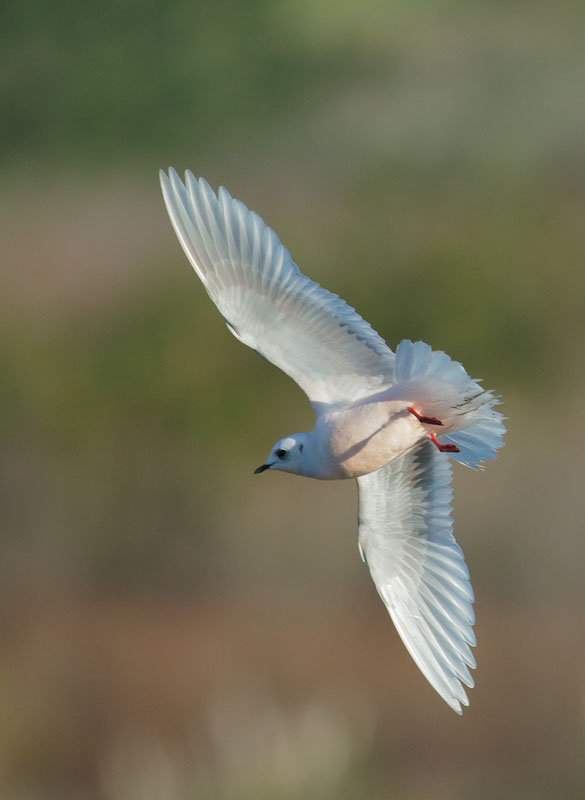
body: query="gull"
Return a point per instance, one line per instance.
(390, 420)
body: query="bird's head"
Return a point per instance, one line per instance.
(288, 455)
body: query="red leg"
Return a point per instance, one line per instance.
(426, 420)
(444, 448)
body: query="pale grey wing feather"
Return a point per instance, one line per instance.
(310, 333)
(405, 535)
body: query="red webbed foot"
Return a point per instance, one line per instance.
(443, 448)
(422, 418)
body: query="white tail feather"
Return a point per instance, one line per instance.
(440, 387)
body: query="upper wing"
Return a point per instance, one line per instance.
(405, 535)
(311, 334)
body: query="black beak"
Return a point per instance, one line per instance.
(262, 468)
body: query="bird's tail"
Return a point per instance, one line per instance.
(438, 387)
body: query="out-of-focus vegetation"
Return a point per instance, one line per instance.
(175, 627)
(113, 79)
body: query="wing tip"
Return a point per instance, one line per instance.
(457, 701)
(164, 179)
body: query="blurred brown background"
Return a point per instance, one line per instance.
(174, 627)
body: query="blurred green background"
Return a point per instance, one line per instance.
(173, 627)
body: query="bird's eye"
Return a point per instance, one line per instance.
(280, 453)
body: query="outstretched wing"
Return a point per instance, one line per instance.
(311, 334)
(405, 535)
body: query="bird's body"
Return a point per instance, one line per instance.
(355, 440)
(362, 438)
(378, 418)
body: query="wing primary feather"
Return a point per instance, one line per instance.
(453, 630)
(245, 259)
(232, 232)
(210, 204)
(421, 648)
(202, 223)
(183, 224)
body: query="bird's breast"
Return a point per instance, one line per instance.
(364, 438)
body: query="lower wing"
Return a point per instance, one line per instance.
(406, 538)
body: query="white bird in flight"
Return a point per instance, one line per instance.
(390, 420)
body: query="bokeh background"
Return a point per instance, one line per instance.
(172, 626)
